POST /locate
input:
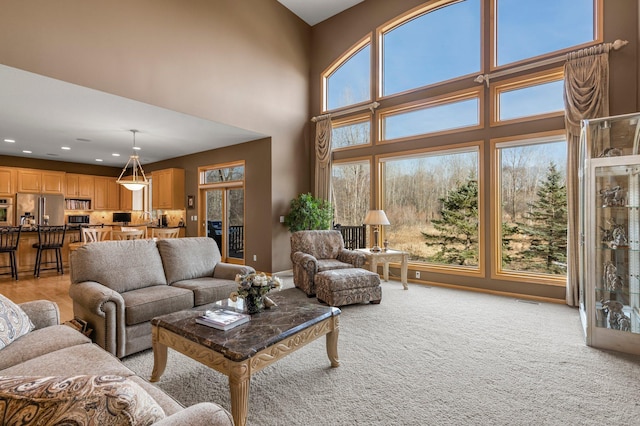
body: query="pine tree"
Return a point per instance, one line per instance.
(457, 234)
(547, 224)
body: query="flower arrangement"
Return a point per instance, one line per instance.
(253, 287)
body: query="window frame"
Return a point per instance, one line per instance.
(516, 83)
(598, 29)
(466, 147)
(474, 93)
(344, 58)
(402, 19)
(353, 160)
(495, 213)
(352, 120)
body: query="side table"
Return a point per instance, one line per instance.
(386, 256)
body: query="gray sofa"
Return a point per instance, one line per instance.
(117, 287)
(60, 351)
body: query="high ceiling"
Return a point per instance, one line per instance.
(56, 120)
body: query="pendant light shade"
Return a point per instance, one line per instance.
(137, 180)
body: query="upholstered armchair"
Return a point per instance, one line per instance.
(317, 251)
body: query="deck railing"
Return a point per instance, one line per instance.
(354, 236)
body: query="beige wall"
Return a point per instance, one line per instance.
(243, 63)
(331, 38)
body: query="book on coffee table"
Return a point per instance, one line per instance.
(222, 319)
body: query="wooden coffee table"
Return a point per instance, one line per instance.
(248, 348)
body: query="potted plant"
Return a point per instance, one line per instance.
(308, 212)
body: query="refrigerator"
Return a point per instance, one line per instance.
(39, 205)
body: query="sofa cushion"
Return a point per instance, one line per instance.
(77, 400)
(187, 258)
(328, 264)
(207, 290)
(145, 303)
(40, 342)
(120, 265)
(88, 359)
(14, 322)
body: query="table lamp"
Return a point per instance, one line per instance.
(376, 218)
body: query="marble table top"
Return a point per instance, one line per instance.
(263, 330)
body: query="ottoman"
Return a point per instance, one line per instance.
(339, 287)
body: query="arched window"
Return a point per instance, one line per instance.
(349, 81)
(439, 45)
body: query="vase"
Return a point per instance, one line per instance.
(253, 304)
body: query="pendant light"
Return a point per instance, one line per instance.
(137, 180)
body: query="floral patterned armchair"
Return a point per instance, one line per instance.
(317, 251)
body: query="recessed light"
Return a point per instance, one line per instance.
(27, 151)
(10, 140)
(66, 148)
(137, 148)
(83, 140)
(99, 160)
(115, 154)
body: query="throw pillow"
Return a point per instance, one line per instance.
(14, 322)
(79, 400)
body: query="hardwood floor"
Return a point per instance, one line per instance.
(49, 286)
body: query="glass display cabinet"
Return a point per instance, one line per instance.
(609, 204)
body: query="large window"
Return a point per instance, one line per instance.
(537, 96)
(350, 82)
(432, 202)
(350, 192)
(433, 120)
(527, 29)
(532, 205)
(449, 46)
(349, 133)
(435, 116)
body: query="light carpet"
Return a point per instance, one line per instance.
(432, 356)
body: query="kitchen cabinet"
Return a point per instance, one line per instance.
(107, 194)
(80, 186)
(7, 181)
(609, 270)
(40, 181)
(167, 189)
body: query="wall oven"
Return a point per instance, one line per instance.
(6, 211)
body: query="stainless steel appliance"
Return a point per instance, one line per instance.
(6, 211)
(42, 207)
(77, 219)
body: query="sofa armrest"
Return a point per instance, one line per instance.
(103, 309)
(356, 258)
(202, 414)
(307, 261)
(42, 313)
(228, 271)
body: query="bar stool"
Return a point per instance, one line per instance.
(49, 238)
(9, 238)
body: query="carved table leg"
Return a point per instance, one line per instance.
(404, 266)
(159, 357)
(239, 381)
(332, 347)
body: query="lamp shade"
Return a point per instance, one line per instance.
(376, 217)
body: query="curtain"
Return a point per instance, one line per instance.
(323, 157)
(586, 96)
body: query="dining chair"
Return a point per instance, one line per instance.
(142, 228)
(165, 232)
(136, 234)
(92, 235)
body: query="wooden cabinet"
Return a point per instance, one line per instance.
(107, 194)
(7, 181)
(168, 189)
(80, 186)
(126, 199)
(41, 181)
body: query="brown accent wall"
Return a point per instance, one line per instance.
(60, 166)
(331, 38)
(243, 63)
